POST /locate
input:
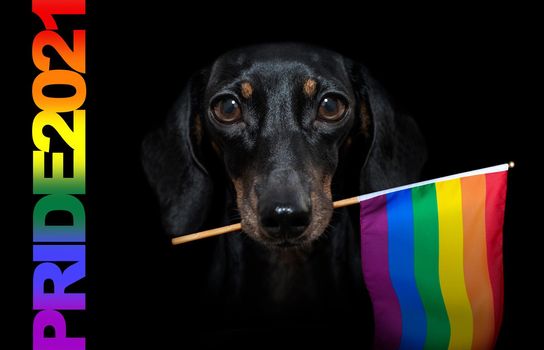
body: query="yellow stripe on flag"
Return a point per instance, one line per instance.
(451, 265)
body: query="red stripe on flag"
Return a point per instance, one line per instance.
(494, 218)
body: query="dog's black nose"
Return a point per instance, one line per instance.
(287, 221)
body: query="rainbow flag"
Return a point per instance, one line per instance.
(432, 261)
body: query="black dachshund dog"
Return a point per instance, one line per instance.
(271, 135)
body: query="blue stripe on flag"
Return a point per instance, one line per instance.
(400, 219)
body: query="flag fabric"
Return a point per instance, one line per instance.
(432, 261)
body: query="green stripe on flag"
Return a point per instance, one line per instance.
(426, 266)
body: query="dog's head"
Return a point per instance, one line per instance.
(277, 117)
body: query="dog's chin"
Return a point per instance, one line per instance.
(302, 243)
(305, 242)
(287, 245)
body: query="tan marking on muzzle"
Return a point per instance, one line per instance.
(247, 208)
(327, 179)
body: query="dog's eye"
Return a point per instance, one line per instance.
(227, 110)
(331, 109)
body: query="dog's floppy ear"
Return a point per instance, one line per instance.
(182, 184)
(397, 149)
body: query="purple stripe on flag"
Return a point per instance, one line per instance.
(374, 248)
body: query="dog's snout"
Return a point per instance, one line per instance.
(284, 205)
(285, 220)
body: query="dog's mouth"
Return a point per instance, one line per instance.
(286, 244)
(282, 243)
(287, 229)
(311, 234)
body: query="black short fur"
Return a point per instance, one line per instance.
(191, 163)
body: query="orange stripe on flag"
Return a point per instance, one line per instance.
(476, 268)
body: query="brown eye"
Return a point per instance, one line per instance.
(227, 110)
(331, 109)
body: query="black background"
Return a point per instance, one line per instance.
(465, 75)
